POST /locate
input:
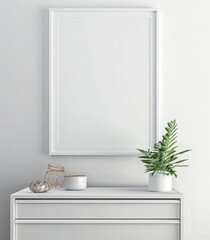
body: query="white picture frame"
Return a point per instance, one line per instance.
(103, 80)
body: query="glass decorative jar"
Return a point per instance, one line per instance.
(55, 175)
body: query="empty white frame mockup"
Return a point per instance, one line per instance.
(103, 81)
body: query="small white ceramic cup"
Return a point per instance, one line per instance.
(75, 182)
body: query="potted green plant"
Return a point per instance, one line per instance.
(161, 163)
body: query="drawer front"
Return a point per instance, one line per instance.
(71, 209)
(96, 231)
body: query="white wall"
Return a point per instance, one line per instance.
(184, 95)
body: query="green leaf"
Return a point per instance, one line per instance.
(184, 151)
(180, 161)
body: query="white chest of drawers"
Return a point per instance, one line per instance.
(97, 214)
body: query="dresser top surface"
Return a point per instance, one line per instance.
(99, 193)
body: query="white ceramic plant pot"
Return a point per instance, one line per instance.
(160, 182)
